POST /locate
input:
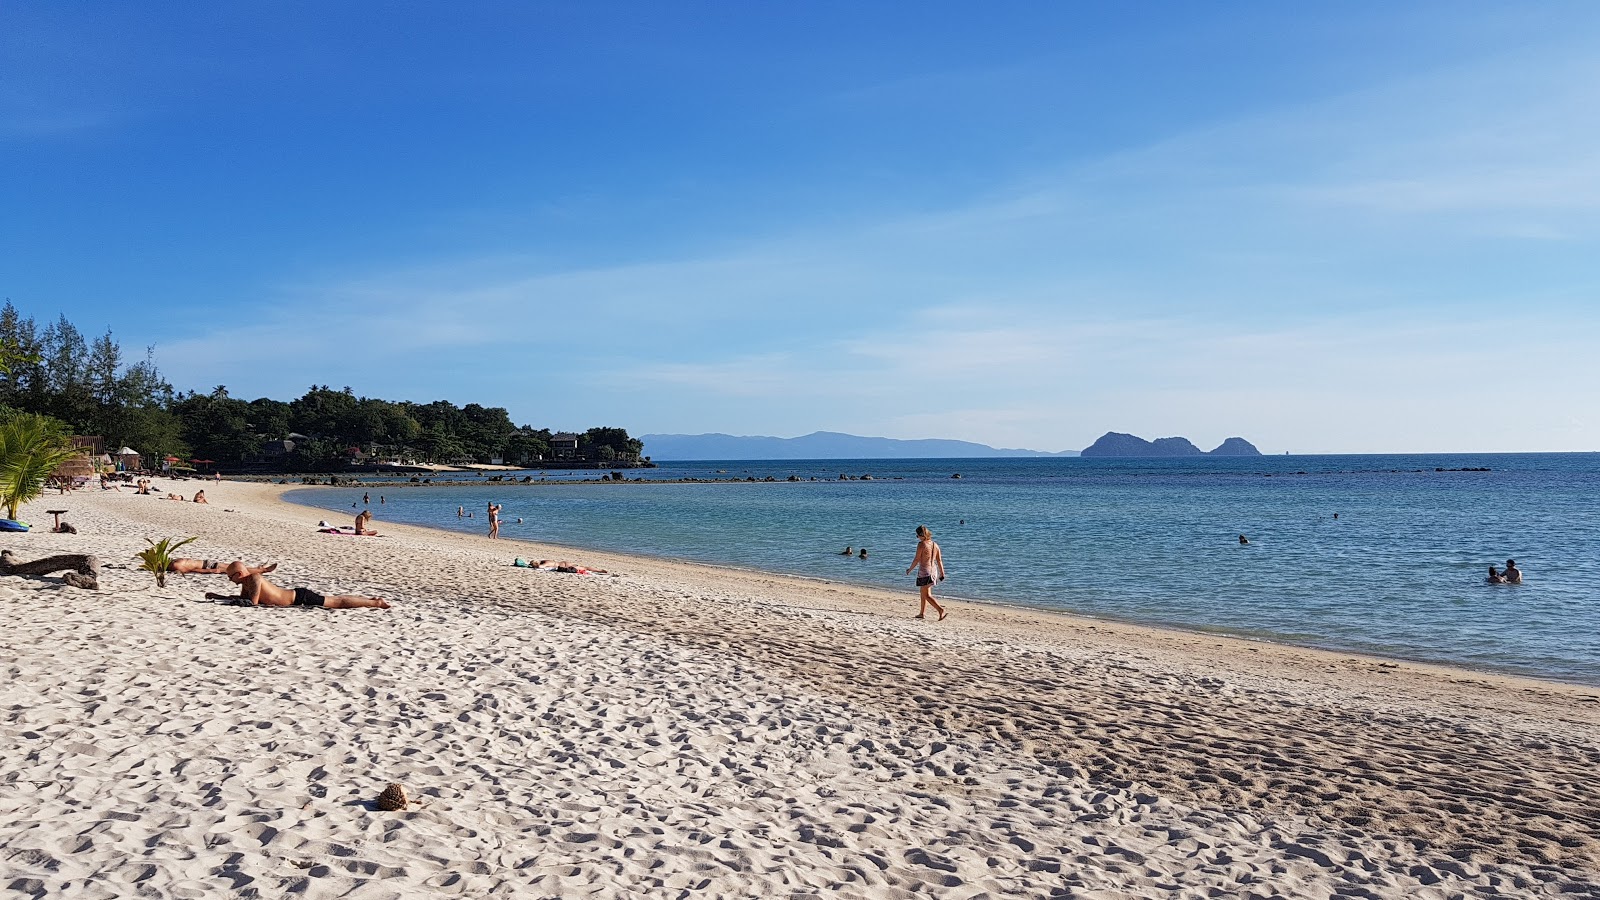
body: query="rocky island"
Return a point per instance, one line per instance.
(1114, 443)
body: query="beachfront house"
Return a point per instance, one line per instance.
(564, 446)
(275, 451)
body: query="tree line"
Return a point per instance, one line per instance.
(93, 389)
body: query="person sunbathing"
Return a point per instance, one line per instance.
(363, 519)
(186, 566)
(570, 568)
(200, 497)
(255, 589)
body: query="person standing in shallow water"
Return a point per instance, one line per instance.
(1513, 575)
(929, 565)
(494, 519)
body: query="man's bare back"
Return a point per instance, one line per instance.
(254, 587)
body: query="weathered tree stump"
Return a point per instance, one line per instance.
(84, 569)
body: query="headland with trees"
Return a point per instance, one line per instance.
(89, 387)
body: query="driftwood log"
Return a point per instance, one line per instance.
(84, 569)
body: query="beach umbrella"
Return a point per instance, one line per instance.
(81, 466)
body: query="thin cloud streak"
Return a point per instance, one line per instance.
(1238, 277)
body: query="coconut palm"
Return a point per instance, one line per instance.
(31, 447)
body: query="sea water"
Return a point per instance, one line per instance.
(1399, 572)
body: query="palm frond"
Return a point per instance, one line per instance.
(157, 558)
(31, 447)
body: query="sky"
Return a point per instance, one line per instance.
(1360, 227)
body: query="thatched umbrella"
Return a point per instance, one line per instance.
(79, 466)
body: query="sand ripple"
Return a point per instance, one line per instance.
(687, 732)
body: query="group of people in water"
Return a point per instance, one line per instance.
(1512, 574)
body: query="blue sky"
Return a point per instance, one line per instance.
(1353, 227)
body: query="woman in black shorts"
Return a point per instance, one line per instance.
(928, 564)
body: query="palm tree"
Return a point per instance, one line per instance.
(31, 447)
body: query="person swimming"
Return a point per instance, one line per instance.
(848, 551)
(1495, 577)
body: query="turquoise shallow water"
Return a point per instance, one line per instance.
(1399, 573)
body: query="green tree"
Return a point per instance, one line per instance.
(435, 444)
(31, 447)
(525, 445)
(13, 353)
(485, 431)
(607, 444)
(216, 426)
(270, 418)
(26, 387)
(327, 414)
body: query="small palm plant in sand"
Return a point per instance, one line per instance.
(31, 447)
(157, 558)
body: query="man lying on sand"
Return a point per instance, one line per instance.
(254, 587)
(562, 566)
(185, 566)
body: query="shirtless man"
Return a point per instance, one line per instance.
(1512, 574)
(185, 566)
(255, 588)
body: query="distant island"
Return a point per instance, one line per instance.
(820, 445)
(1114, 443)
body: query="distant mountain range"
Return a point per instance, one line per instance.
(834, 445)
(1114, 443)
(819, 445)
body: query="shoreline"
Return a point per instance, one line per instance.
(1016, 616)
(1066, 618)
(617, 735)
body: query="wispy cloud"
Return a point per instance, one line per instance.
(1295, 276)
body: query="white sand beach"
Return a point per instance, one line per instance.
(685, 731)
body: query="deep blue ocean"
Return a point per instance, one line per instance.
(1399, 573)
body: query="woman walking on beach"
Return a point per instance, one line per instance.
(928, 563)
